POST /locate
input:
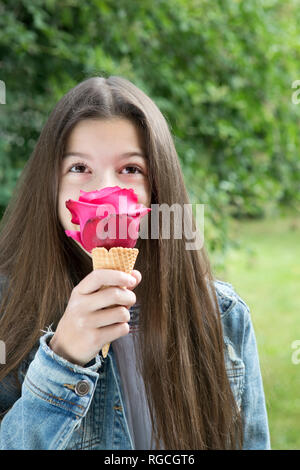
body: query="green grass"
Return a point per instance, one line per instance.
(265, 272)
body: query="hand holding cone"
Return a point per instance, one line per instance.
(119, 258)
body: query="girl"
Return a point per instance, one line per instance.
(183, 369)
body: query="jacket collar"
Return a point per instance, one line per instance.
(225, 296)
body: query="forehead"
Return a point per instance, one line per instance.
(114, 133)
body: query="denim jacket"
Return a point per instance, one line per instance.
(66, 406)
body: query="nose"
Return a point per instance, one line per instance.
(103, 180)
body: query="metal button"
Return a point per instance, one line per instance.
(82, 388)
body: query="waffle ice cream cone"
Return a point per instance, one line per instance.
(119, 258)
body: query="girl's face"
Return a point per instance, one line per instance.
(102, 153)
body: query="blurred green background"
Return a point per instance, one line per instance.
(222, 73)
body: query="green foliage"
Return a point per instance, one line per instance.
(266, 276)
(221, 72)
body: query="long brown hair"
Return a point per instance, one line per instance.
(181, 341)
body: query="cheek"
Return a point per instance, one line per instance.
(143, 197)
(147, 195)
(63, 213)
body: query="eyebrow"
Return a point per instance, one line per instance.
(84, 155)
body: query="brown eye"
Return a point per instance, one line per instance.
(77, 165)
(133, 168)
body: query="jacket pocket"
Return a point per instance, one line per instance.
(235, 369)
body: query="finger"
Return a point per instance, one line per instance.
(109, 316)
(137, 274)
(138, 277)
(104, 277)
(109, 297)
(113, 332)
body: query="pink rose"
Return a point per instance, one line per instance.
(109, 217)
